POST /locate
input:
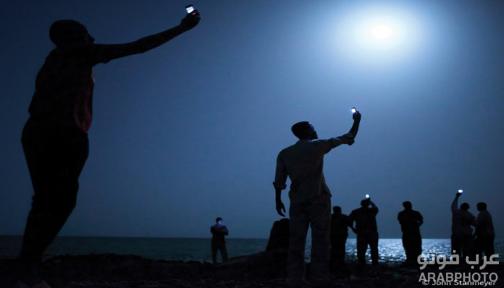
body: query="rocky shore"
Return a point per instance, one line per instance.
(260, 270)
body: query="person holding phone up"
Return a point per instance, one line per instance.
(55, 137)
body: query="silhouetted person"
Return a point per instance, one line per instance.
(366, 230)
(462, 233)
(55, 139)
(219, 232)
(485, 234)
(279, 236)
(339, 234)
(310, 198)
(411, 221)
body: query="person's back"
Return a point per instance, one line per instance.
(462, 222)
(64, 88)
(485, 233)
(484, 224)
(410, 221)
(365, 220)
(339, 234)
(462, 241)
(339, 225)
(310, 199)
(366, 230)
(304, 162)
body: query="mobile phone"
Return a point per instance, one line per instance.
(354, 110)
(367, 196)
(189, 9)
(460, 191)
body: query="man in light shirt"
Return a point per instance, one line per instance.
(310, 198)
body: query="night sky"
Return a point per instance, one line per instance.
(190, 131)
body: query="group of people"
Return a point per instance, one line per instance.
(55, 144)
(465, 240)
(310, 201)
(362, 222)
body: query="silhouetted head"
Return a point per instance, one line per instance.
(482, 206)
(218, 219)
(69, 33)
(464, 206)
(364, 203)
(304, 131)
(407, 205)
(336, 210)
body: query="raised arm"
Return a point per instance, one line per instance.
(373, 206)
(103, 53)
(454, 205)
(355, 126)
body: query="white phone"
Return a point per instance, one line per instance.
(354, 110)
(189, 9)
(460, 191)
(367, 196)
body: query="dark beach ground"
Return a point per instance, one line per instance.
(259, 270)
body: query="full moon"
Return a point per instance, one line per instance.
(377, 34)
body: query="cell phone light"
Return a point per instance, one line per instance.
(367, 196)
(460, 191)
(189, 9)
(354, 110)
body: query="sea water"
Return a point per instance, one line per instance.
(198, 249)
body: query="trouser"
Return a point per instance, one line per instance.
(412, 243)
(55, 158)
(363, 241)
(485, 244)
(338, 243)
(219, 246)
(463, 245)
(316, 214)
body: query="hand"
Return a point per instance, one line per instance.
(458, 194)
(356, 116)
(190, 20)
(280, 208)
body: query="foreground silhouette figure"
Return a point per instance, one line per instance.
(310, 198)
(366, 230)
(339, 234)
(485, 235)
(462, 233)
(219, 232)
(411, 221)
(279, 236)
(55, 140)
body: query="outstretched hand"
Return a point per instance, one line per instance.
(190, 20)
(356, 116)
(280, 208)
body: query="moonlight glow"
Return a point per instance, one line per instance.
(377, 34)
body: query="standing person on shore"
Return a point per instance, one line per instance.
(366, 230)
(219, 232)
(55, 137)
(410, 221)
(310, 199)
(339, 234)
(485, 235)
(462, 242)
